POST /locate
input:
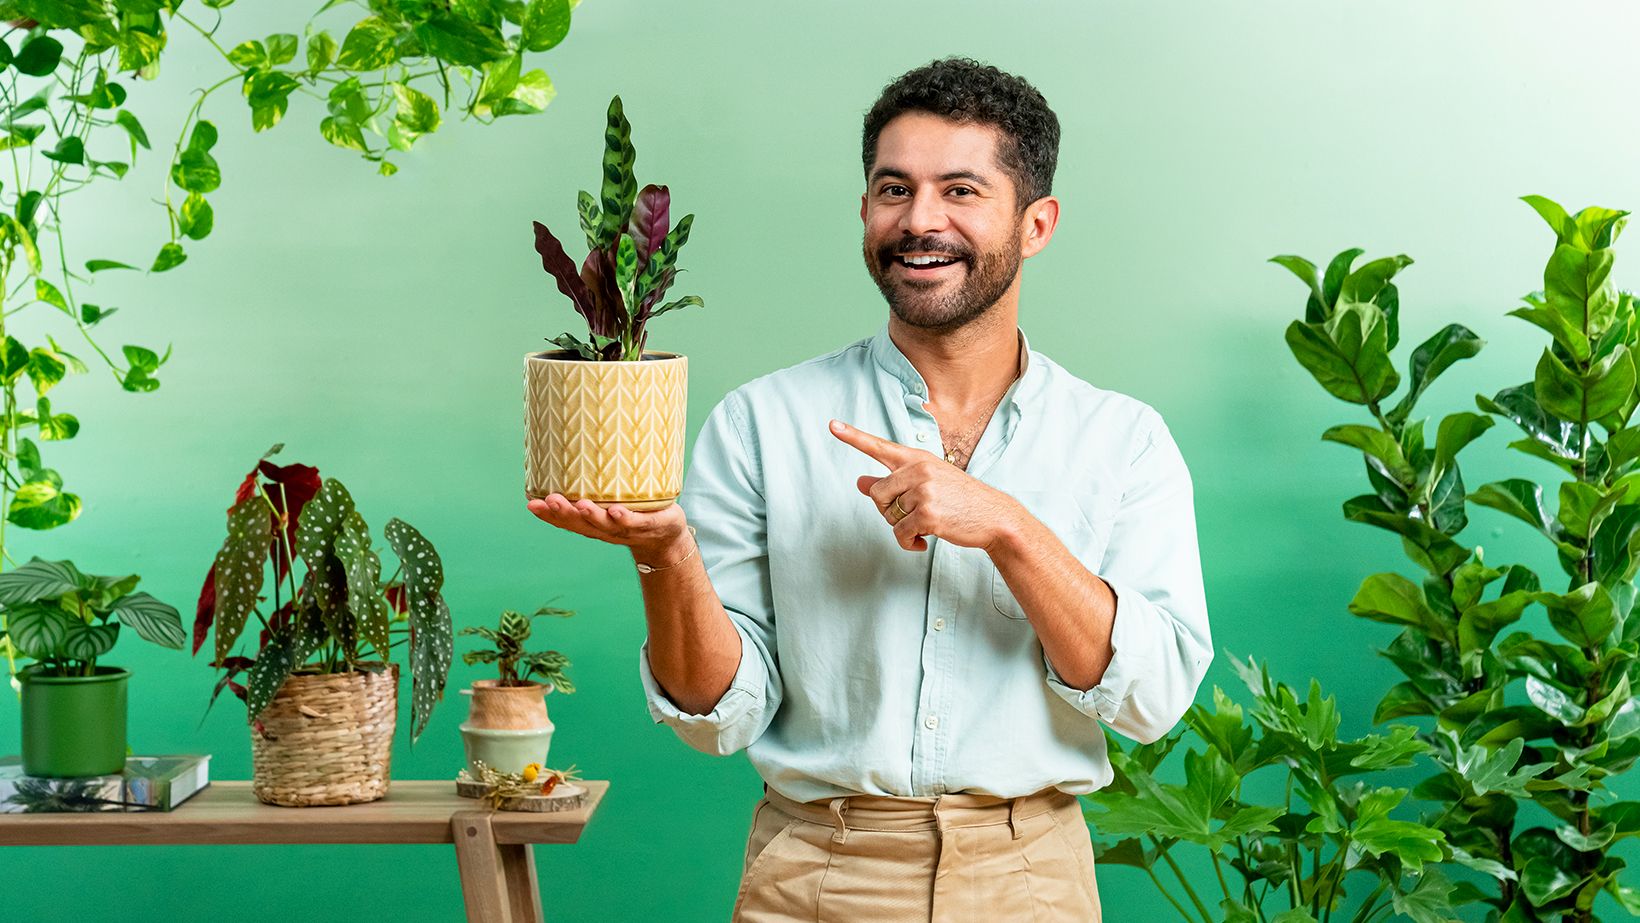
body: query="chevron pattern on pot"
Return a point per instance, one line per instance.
(612, 432)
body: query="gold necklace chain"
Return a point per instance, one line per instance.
(952, 453)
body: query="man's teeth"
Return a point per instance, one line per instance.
(926, 260)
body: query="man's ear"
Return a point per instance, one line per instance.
(862, 208)
(1037, 226)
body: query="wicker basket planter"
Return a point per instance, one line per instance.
(610, 432)
(326, 739)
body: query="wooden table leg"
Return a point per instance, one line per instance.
(484, 879)
(523, 890)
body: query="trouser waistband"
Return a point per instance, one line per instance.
(940, 812)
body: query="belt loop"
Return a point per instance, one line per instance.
(841, 835)
(1013, 816)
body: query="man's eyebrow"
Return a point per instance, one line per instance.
(896, 173)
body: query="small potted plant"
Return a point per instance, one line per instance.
(321, 693)
(74, 707)
(604, 418)
(507, 725)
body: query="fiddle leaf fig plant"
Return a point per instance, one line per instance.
(66, 620)
(1529, 721)
(632, 255)
(74, 75)
(340, 615)
(516, 665)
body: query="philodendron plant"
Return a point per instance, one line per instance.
(516, 665)
(286, 519)
(66, 620)
(1528, 729)
(632, 256)
(1298, 860)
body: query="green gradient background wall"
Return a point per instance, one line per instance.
(376, 327)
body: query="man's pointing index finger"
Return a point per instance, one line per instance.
(891, 454)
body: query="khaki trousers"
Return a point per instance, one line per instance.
(950, 859)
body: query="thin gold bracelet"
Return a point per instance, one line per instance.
(648, 569)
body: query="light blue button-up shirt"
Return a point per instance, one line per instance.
(869, 669)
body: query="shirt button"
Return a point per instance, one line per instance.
(931, 722)
(939, 624)
(922, 437)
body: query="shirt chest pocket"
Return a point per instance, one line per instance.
(1082, 523)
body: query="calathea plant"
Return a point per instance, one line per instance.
(1296, 861)
(339, 616)
(518, 666)
(631, 260)
(67, 620)
(1528, 729)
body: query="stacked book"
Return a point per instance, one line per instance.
(149, 783)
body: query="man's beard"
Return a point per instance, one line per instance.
(939, 305)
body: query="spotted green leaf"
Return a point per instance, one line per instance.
(239, 570)
(431, 644)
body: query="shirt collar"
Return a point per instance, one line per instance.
(894, 362)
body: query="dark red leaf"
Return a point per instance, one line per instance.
(205, 612)
(247, 490)
(293, 486)
(397, 598)
(556, 262)
(649, 217)
(609, 312)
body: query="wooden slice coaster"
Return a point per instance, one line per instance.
(567, 796)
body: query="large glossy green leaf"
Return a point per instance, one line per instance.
(1574, 286)
(239, 570)
(1349, 354)
(1431, 549)
(151, 619)
(1435, 355)
(1394, 599)
(1521, 499)
(1583, 397)
(1536, 311)
(1316, 308)
(1185, 811)
(1545, 881)
(431, 643)
(1585, 616)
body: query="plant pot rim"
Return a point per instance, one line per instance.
(386, 665)
(29, 675)
(505, 733)
(499, 684)
(566, 355)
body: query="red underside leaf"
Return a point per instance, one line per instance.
(205, 612)
(293, 486)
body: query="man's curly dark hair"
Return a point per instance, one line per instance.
(965, 90)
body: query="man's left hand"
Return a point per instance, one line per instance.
(937, 497)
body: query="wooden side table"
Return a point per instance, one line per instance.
(493, 848)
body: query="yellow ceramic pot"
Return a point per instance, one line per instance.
(610, 432)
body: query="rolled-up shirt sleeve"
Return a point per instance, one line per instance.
(1161, 644)
(723, 499)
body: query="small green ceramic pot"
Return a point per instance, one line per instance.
(74, 726)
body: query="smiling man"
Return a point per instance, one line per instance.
(931, 564)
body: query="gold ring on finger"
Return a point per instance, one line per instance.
(897, 510)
